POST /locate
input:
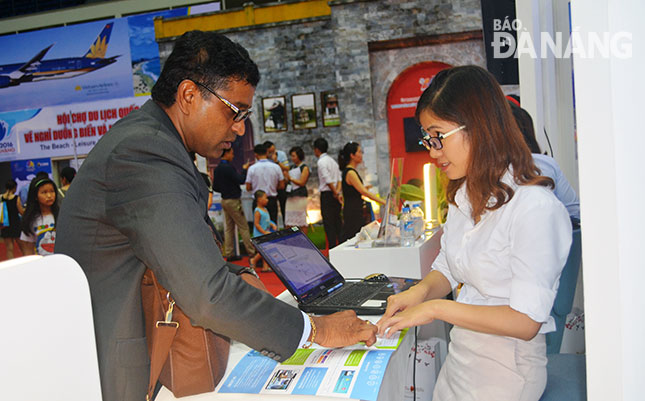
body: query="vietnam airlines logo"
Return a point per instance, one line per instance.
(98, 49)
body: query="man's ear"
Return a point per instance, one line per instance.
(187, 96)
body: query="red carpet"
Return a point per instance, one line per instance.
(3, 251)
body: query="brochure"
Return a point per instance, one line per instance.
(351, 372)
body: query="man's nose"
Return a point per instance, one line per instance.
(239, 128)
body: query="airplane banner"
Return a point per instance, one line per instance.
(60, 131)
(72, 64)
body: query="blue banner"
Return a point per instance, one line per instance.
(23, 171)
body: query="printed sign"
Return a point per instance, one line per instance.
(60, 131)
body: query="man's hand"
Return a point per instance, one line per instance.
(342, 329)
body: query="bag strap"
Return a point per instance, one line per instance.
(163, 335)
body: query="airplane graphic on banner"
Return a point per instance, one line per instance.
(38, 69)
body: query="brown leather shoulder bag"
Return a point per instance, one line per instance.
(186, 359)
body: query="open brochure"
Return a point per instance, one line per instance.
(350, 372)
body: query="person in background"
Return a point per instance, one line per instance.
(547, 165)
(227, 181)
(262, 224)
(39, 219)
(506, 238)
(297, 190)
(279, 157)
(329, 178)
(67, 175)
(267, 176)
(23, 192)
(11, 232)
(353, 190)
(139, 202)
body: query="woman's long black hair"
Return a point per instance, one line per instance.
(344, 157)
(32, 211)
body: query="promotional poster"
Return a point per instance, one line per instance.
(72, 64)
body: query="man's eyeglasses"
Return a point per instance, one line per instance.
(240, 115)
(434, 142)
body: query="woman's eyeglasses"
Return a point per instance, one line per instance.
(240, 115)
(434, 142)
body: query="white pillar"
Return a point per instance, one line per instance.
(611, 146)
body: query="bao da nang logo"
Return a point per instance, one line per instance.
(511, 39)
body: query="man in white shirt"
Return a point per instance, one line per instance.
(329, 178)
(267, 176)
(279, 157)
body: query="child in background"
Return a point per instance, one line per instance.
(262, 223)
(39, 219)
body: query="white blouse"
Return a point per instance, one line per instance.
(513, 256)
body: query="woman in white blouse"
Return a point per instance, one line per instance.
(506, 239)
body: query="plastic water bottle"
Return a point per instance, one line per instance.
(407, 227)
(419, 222)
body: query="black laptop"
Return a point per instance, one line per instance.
(317, 286)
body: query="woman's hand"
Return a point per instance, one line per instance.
(417, 315)
(399, 303)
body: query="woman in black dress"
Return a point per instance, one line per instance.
(353, 190)
(11, 233)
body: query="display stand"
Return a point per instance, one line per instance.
(411, 262)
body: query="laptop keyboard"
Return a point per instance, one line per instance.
(354, 294)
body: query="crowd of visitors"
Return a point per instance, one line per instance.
(282, 186)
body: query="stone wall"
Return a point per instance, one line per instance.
(331, 53)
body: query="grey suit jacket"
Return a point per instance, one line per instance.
(139, 201)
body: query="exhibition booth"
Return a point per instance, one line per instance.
(344, 70)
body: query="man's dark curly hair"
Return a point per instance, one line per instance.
(208, 58)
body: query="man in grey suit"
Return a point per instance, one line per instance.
(138, 201)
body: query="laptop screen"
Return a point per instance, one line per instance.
(298, 263)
